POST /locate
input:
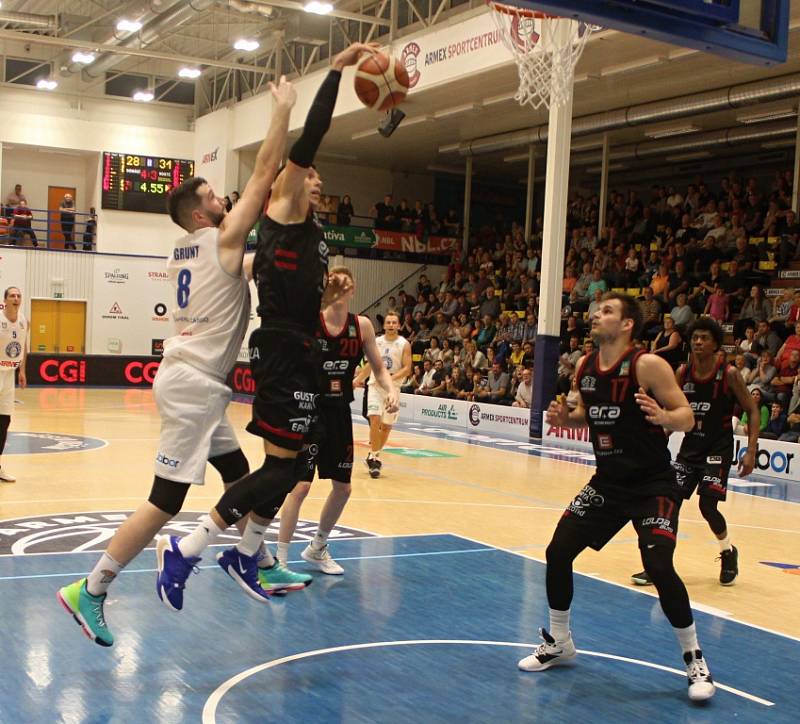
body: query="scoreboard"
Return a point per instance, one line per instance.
(132, 182)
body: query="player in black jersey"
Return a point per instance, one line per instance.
(712, 387)
(627, 398)
(344, 338)
(290, 270)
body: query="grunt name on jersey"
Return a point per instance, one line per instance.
(187, 252)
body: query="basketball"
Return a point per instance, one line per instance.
(381, 82)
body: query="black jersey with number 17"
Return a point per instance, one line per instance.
(290, 270)
(629, 450)
(340, 354)
(712, 404)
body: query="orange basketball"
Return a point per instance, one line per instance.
(381, 82)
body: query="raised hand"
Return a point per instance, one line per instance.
(352, 53)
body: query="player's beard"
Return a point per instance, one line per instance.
(216, 219)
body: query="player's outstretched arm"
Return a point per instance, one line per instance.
(237, 223)
(748, 403)
(667, 405)
(318, 121)
(373, 355)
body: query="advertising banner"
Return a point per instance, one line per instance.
(130, 306)
(360, 238)
(439, 411)
(509, 421)
(91, 370)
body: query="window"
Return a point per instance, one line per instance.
(125, 84)
(26, 72)
(175, 92)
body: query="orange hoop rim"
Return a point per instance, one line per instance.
(519, 11)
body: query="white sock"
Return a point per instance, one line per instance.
(320, 539)
(266, 560)
(252, 538)
(559, 624)
(282, 554)
(104, 572)
(687, 638)
(207, 531)
(725, 543)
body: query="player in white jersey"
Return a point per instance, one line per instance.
(396, 354)
(13, 343)
(212, 308)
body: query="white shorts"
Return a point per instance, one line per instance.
(376, 405)
(7, 392)
(194, 426)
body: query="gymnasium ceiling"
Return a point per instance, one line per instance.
(664, 72)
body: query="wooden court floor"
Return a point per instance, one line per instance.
(502, 498)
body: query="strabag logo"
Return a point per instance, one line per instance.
(91, 531)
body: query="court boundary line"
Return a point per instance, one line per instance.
(210, 708)
(624, 587)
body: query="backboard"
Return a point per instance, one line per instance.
(751, 31)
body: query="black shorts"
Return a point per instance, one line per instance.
(286, 369)
(331, 448)
(710, 480)
(598, 513)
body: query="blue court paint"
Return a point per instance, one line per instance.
(30, 443)
(487, 603)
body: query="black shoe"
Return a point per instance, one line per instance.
(729, 566)
(641, 579)
(374, 466)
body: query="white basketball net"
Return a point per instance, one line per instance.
(546, 50)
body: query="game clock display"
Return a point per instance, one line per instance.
(132, 182)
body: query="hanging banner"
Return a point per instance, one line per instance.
(359, 238)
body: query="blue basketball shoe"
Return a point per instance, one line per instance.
(244, 570)
(173, 570)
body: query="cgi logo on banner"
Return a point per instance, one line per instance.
(138, 372)
(70, 371)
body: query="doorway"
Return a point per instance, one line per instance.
(58, 326)
(55, 234)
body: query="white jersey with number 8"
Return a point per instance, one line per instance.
(211, 307)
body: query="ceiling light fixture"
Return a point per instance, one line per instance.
(129, 26)
(143, 96)
(764, 116)
(46, 84)
(189, 73)
(318, 8)
(635, 65)
(516, 157)
(498, 99)
(83, 58)
(246, 44)
(665, 132)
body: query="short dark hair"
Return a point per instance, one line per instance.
(183, 199)
(707, 324)
(630, 310)
(8, 291)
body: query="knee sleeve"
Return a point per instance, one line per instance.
(231, 466)
(274, 478)
(672, 592)
(709, 510)
(560, 553)
(167, 495)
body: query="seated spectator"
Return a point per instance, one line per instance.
(516, 356)
(682, 313)
(777, 423)
(524, 393)
(783, 382)
(746, 346)
(597, 283)
(763, 373)
(567, 364)
(440, 325)
(413, 380)
(680, 282)
(755, 309)
(487, 333)
(421, 306)
(490, 305)
(475, 358)
(735, 285)
(455, 384)
(448, 354)
(432, 380)
(741, 426)
(450, 305)
(476, 387)
(792, 343)
(497, 386)
(421, 338)
(651, 314)
(90, 231)
(669, 345)
(794, 311)
(345, 211)
(766, 339)
(660, 284)
(740, 364)
(452, 223)
(529, 334)
(434, 353)
(408, 328)
(717, 306)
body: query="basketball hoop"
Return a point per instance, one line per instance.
(546, 49)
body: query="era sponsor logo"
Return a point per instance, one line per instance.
(700, 407)
(70, 370)
(169, 462)
(138, 373)
(600, 413)
(335, 365)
